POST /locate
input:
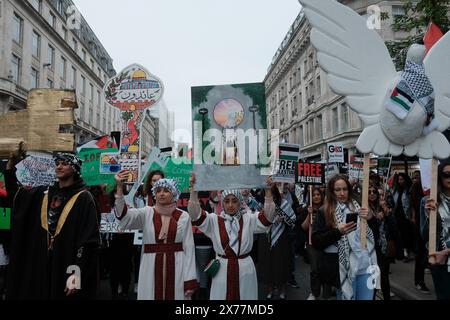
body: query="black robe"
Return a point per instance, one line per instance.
(37, 272)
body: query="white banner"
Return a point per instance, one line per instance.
(335, 152)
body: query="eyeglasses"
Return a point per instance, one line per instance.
(446, 174)
(341, 189)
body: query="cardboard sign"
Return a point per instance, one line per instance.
(355, 168)
(110, 163)
(310, 173)
(90, 169)
(286, 163)
(36, 170)
(110, 224)
(5, 218)
(335, 152)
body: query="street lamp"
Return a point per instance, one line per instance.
(254, 109)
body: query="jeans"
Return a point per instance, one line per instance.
(360, 289)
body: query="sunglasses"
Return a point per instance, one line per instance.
(446, 174)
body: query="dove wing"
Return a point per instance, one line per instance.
(437, 67)
(355, 58)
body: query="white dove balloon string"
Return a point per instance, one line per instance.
(360, 68)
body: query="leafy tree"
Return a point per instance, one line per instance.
(417, 17)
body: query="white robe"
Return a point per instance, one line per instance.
(248, 283)
(185, 271)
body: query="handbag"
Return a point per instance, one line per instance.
(212, 268)
(328, 268)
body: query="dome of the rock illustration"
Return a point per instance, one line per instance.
(229, 113)
(139, 75)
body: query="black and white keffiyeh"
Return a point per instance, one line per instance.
(347, 258)
(70, 158)
(286, 213)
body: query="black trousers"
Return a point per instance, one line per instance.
(441, 280)
(384, 264)
(421, 258)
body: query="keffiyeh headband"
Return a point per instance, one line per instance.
(170, 185)
(70, 158)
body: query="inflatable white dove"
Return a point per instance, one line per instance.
(396, 108)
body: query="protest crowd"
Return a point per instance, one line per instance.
(224, 244)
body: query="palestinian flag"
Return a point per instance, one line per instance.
(400, 103)
(432, 36)
(104, 142)
(289, 152)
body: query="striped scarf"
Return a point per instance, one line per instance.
(284, 211)
(444, 213)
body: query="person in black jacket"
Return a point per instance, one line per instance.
(384, 234)
(345, 264)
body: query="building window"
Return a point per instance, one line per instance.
(318, 127)
(91, 116)
(74, 78)
(52, 20)
(62, 70)
(92, 64)
(98, 98)
(301, 142)
(60, 7)
(398, 11)
(344, 109)
(51, 57)
(50, 84)
(97, 122)
(82, 111)
(17, 29)
(36, 45)
(311, 130)
(92, 92)
(83, 85)
(319, 87)
(83, 55)
(34, 79)
(300, 101)
(37, 5)
(99, 72)
(64, 33)
(75, 45)
(16, 68)
(334, 114)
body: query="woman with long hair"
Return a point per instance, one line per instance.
(336, 230)
(307, 216)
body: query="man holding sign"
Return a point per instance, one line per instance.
(54, 233)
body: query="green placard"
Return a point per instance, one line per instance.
(90, 170)
(178, 170)
(5, 218)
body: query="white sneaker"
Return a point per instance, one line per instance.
(311, 297)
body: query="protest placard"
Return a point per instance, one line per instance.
(335, 152)
(286, 163)
(5, 218)
(110, 163)
(310, 173)
(90, 169)
(38, 169)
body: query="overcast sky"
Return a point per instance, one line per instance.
(192, 42)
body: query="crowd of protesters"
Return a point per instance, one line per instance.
(226, 246)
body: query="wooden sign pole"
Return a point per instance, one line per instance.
(365, 199)
(433, 213)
